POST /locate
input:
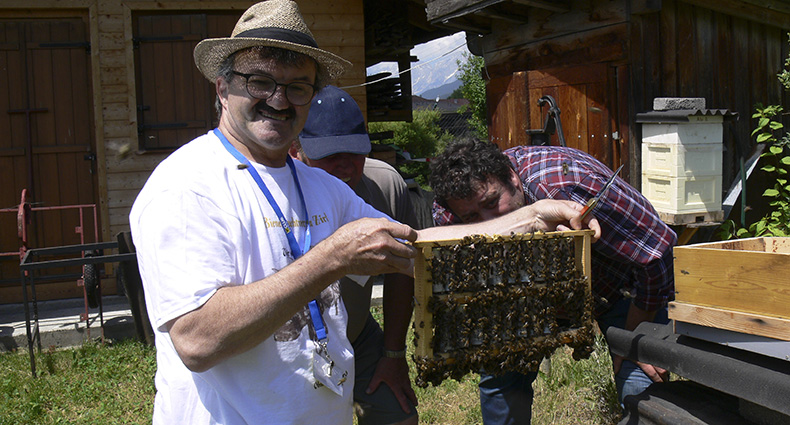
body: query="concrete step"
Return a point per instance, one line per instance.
(60, 324)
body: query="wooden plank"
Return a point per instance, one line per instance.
(692, 218)
(723, 64)
(703, 54)
(775, 13)
(545, 26)
(507, 105)
(121, 198)
(604, 44)
(572, 102)
(128, 181)
(423, 318)
(748, 281)
(668, 31)
(731, 320)
(597, 111)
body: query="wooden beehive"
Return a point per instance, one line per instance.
(500, 303)
(740, 285)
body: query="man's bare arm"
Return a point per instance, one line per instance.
(237, 318)
(545, 215)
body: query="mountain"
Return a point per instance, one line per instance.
(442, 92)
(435, 71)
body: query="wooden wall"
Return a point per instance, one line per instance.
(688, 50)
(727, 52)
(338, 26)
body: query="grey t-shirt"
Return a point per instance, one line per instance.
(384, 189)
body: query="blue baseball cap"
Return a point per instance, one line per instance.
(334, 125)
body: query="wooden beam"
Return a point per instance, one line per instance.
(771, 12)
(731, 320)
(438, 11)
(641, 7)
(501, 16)
(555, 6)
(463, 25)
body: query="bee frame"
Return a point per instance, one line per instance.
(474, 279)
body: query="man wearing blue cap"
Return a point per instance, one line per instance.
(335, 139)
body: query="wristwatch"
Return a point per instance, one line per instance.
(400, 354)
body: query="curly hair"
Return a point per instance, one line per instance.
(465, 164)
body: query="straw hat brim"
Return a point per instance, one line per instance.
(210, 53)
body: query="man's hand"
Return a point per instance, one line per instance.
(655, 373)
(394, 373)
(551, 215)
(374, 246)
(636, 316)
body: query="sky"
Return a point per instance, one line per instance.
(430, 56)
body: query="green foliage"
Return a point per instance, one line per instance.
(784, 76)
(421, 138)
(456, 94)
(777, 165)
(473, 89)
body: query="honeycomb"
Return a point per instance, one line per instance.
(500, 303)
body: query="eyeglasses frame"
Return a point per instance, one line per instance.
(276, 84)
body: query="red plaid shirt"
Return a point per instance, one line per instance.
(634, 255)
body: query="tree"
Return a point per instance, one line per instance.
(420, 138)
(473, 89)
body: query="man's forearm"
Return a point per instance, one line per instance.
(398, 294)
(237, 318)
(545, 215)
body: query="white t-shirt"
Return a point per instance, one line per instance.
(201, 223)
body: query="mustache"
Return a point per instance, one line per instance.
(262, 106)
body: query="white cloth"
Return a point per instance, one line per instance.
(201, 223)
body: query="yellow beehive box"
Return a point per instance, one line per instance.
(500, 303)
(739, 285)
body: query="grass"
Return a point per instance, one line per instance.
(114, 384)
(93, 384)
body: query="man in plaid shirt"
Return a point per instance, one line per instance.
(632, 275)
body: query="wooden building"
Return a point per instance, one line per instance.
(95, 93)
(604, 61)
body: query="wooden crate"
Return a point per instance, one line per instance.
(500, 303)
(740, 285)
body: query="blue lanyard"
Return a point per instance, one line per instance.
(296, 250)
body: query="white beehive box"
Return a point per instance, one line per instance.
(682, 164)
(684, 195)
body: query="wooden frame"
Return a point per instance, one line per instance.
(744, 275)
(739, 285)
(525, 270)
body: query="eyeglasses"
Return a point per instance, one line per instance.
(263, 87)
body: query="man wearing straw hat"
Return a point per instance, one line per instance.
(240, 248)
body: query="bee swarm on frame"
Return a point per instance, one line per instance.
(502, 304)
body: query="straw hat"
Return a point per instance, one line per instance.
(275, 23)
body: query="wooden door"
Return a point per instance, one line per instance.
(48, 145)
(585, 95)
